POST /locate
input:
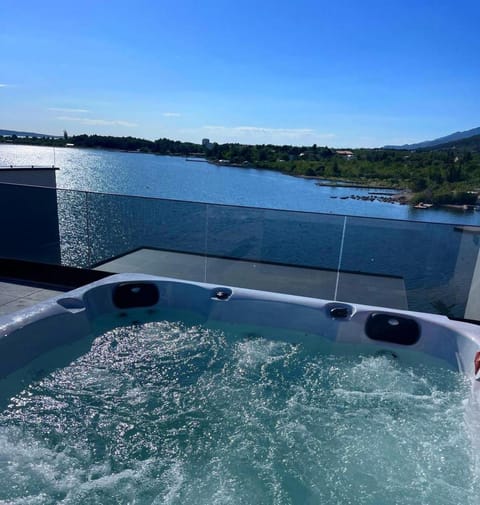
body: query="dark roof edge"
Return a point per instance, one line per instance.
(47, 275)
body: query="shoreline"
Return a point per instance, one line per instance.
(402, 197)
(347, 184)
(342, 183)
(405, 198)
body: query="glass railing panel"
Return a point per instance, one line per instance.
(147, 235)
(465, 284)
(235, 232)
(303, 239)
(420, 266)
(282, 251)
(73, 228)
(410, 265)
(29, 223)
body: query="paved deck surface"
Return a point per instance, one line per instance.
(15, 296)
(352, 287)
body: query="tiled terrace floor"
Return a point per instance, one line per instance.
(355, 287)
(16, 296)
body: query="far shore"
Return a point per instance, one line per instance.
(399, 195)
(345, 183)
(402, 197)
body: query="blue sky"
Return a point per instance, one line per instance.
(344, 73)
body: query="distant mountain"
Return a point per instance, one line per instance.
(440, 141)
(9, 133)
(469, 144)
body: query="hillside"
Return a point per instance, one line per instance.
(471, 144)
(9, 133)
(439, 141)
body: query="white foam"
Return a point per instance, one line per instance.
(170, 414)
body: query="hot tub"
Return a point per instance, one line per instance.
(153, 390)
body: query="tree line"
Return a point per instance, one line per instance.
(440, 175)
(160, 146)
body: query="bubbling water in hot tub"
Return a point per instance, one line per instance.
(166, 412)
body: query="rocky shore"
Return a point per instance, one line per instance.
(401, 198)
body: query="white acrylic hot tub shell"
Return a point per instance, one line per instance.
(28, 334)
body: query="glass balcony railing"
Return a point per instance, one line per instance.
(402, 264)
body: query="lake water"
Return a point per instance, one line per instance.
(175, 178)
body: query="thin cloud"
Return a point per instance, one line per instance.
(73, 111)
(171, 114)
(266, 134)
(3, 85)
(97, 122)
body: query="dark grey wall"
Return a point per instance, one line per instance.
(29, 223)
